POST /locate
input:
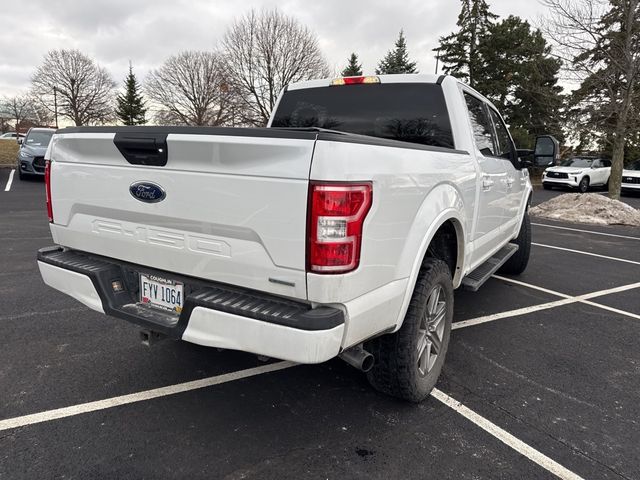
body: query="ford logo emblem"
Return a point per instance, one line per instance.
(147, 192)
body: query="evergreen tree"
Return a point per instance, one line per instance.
(607, 102)
(458, 51)
(353, 68)
(516, 71)
(131, 108)
(397, 60)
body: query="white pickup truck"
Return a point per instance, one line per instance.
(342, 229)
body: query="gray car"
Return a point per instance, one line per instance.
(32, 150)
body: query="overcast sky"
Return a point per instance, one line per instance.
(113, 32)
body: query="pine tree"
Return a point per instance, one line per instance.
(353, 68)
(397, 60)
(518, 73)
(131, 106)
(458, 51)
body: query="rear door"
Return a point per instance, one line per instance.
(515, 182)
(600, 171)
(491, 203)
(233, 210)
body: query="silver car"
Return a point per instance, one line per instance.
(32, 150)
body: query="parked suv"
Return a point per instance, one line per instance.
(631, 178)
(32, 150)
(579, 173)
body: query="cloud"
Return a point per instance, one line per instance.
(114, 32)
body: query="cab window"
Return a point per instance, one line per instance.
(505, 144)
(480, 125)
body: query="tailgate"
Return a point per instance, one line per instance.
(234, 206)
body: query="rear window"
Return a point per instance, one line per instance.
(409, 112)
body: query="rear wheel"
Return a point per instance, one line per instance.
(519, 260)
(408, 362)
(583, 186)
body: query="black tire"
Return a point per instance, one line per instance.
(546, 186)
(519, 260)
(396, 370)
(22, 176)
(583, 186)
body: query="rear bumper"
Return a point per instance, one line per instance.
(214, 315)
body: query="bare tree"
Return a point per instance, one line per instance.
(19, 107)
(40, 114)
(84, 90)
(265, 51)
(189, 89)
(600, 45)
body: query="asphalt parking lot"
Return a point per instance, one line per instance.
(541, 381)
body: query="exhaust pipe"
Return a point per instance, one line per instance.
(358, 357)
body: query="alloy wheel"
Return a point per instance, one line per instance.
(431, 330)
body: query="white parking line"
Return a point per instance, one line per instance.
(505, 437)
(586, 253)
(528, 285)
(585, 231)
(599, 293)
(611, 309)
(511, 313)
(139, 396)
(566, 300)
(499, 433)
(10, 181)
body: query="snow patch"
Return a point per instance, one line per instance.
(589, 208)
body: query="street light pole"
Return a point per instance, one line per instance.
(437, 60)
(55, 104)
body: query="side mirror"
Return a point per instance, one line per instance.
(546, 151)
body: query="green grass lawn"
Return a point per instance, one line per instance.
(8, 152)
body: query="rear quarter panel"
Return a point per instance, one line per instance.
(414, 191)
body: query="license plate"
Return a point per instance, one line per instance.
(161, 292)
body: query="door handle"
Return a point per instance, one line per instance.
(487, 183)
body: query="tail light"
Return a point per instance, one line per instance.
(47, 187)
(336, 215)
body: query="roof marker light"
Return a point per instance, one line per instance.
(354, 80)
